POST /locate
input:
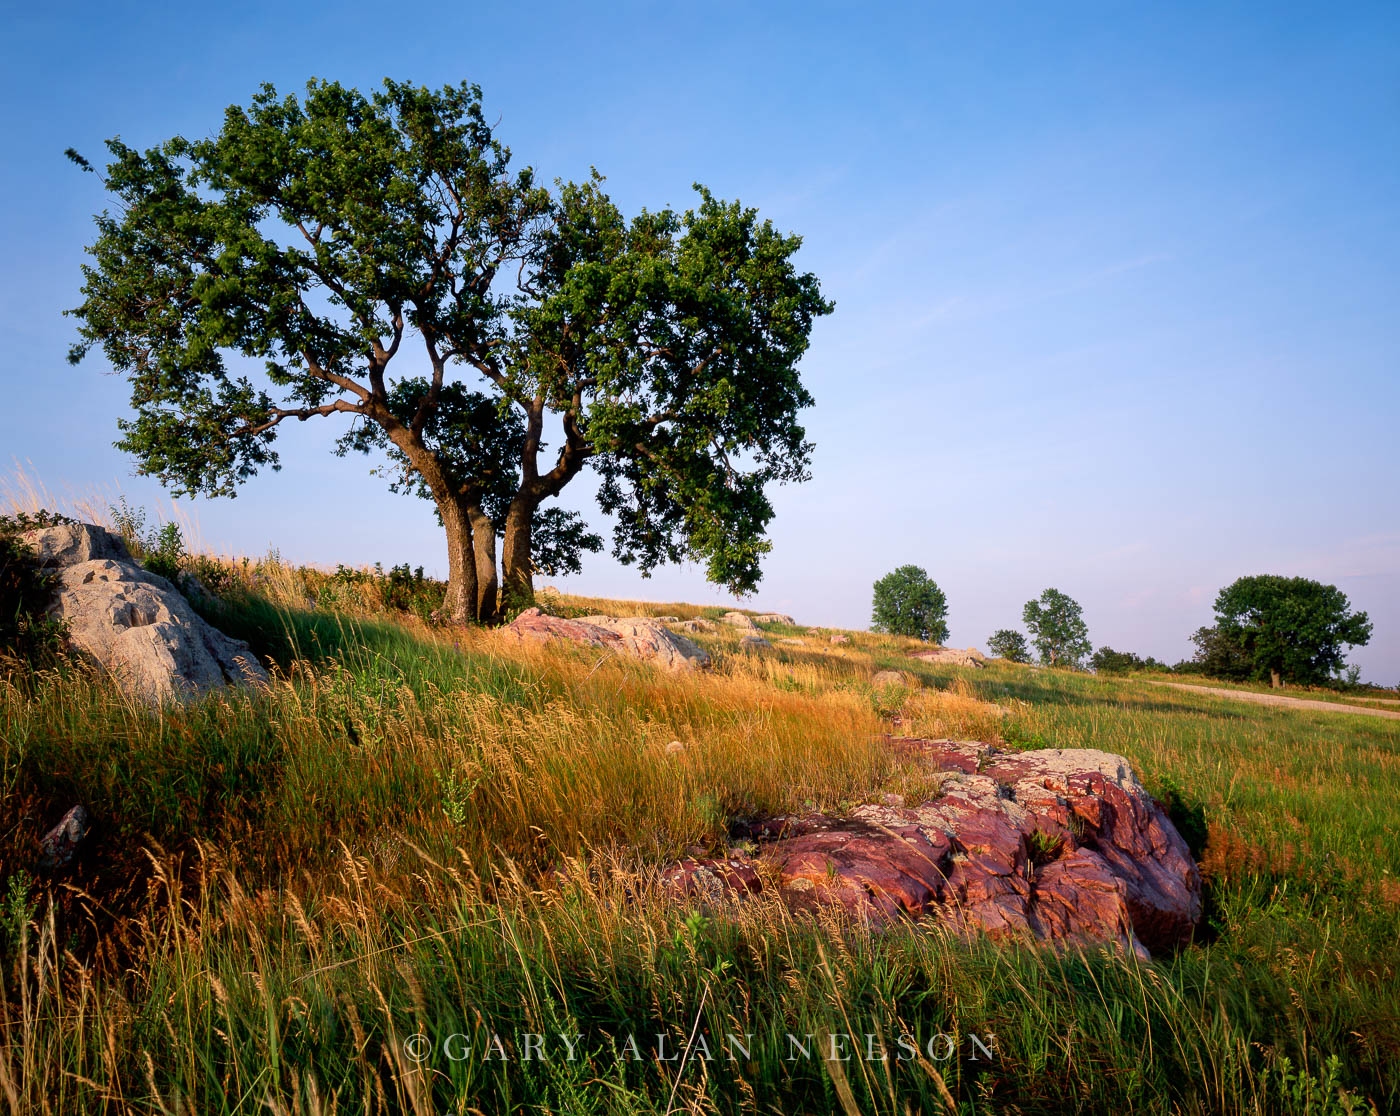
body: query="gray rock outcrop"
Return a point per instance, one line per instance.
(951, 655)
(650, 640)
(633, 635)
(133, 623)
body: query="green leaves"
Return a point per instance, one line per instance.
(1292, 626)
(688, 329)
(272, 270)
(908, 602)
(1009, 644)
(1057, 627)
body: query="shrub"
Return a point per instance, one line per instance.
(165, 551)
(1108, 661)
(27, 632)
(161, 550)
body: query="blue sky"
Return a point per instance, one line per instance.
(1116, 283)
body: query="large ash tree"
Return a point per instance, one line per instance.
(1285, 629)
(285, 268)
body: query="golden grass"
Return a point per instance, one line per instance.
(415, 821)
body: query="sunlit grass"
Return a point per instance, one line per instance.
(419, 829)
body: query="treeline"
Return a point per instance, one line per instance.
(1281, 630)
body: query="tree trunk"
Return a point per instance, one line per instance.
(518, 570)
(455, 505)
(484, 547)
(460, 604)
(1275, 682)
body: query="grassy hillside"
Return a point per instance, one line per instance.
(295, 898)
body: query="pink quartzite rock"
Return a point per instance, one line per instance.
(640, 637)
(1061, 846)
(713, 879)
(533, 624)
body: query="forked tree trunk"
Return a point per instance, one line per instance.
(518, 571)
(460, 604)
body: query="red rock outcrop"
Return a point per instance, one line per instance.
(1062, 846)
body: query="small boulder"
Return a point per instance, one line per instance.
(60, 844)
(886, 679)
(753, 642)
(740, 620)
(699, 624)
(839, 639)
(776, 618)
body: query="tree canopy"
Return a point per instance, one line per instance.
(1219, 655)
(1009, 644)
(908, 602)
(1057, 627)
(1108, 661)
(272, 271)
(1289, 629)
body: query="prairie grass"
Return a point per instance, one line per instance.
(1374, 696)
(422, 831)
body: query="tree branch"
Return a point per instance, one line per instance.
(277, 414)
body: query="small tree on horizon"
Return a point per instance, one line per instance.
(1057, 627)
(271, 273)
(1009, 644)
(908, 602)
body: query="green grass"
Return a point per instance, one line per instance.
(421, 832)
(1374, 697)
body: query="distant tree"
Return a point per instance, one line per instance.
(1218, 655)
(1108, 661)
(1057, 629)
(909, 603)
(269, 272)
(1292, 629)
(1009, 644)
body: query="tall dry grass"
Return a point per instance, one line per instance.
(424, 831)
